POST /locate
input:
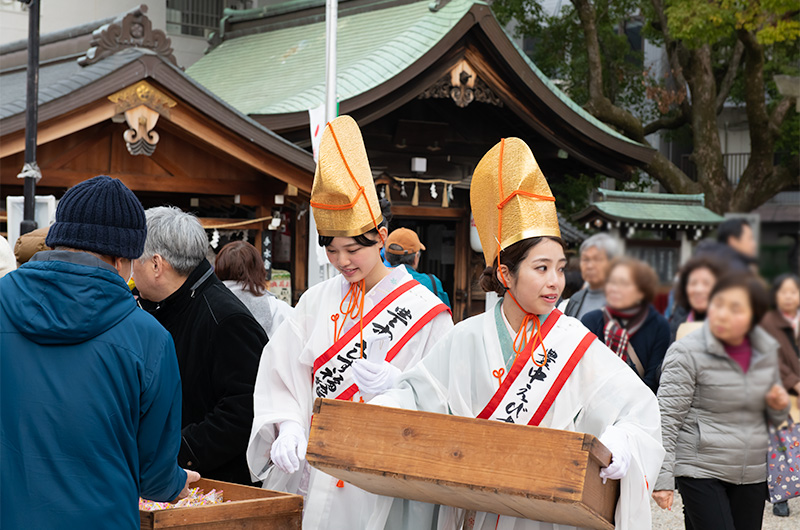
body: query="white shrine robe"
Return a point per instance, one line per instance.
(284, 391)
(456, 378)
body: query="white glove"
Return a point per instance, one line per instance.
(617, 442)
(374, 377)
(373, 374)
(289, 449)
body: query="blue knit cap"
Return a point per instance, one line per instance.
(100, 215)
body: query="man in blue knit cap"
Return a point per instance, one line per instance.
(89, 384)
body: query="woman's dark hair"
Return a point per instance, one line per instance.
(511, 257)
(759, 299)
(362, 239)
(696, 263)
(778, 282)
(240, 261)
(643, 275)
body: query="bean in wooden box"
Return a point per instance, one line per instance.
(251, 508)
(517, 470)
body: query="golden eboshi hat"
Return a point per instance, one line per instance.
(510, 198)
(343, 195)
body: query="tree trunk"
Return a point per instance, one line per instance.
(707, 153)
(761, 179)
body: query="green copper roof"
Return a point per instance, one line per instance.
(652, 208)
(283, 70)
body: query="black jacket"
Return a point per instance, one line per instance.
(218, 343)
(650, 342)
(734, 260)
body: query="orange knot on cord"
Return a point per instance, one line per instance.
(354, 298)
(498, 374)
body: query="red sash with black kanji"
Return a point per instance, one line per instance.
(396, 316)
(528, 391)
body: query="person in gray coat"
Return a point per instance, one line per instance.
(719, 387)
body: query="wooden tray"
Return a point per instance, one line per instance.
(251, 508)
(488, 466)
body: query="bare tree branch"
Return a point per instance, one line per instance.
(599, 105)
(666, 123)
(670, 175)
(676, 53)
(726, 84)
(748, 197)
(778, 115)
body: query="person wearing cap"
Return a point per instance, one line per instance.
(524, 361)
(218, 343)
(403, 248)
(348, 338)
(89, 383)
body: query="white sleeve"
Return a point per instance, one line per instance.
(283, 391)
(421, 386)
(281, 311)
(626, 403)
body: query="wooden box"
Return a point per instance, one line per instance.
(488, 466)
(251, 508)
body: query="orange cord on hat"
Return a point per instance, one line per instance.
(522, 339)
(355, 309)
(360, 188)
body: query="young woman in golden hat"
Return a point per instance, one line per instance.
(524, 361)
(349, 337)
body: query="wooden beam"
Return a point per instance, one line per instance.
(60, 127)
(211, 222)
(170, 166)
(300, 273)
(253, 156)
(428, 212)
(60, 159)
(60, 178)
(461, 270)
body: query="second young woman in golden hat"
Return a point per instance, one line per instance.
(523, 361)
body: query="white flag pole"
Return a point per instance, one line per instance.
(319, 269)
(331, 23)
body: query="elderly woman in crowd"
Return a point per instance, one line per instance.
(719, 386)
(628, 323)
(783, 323)
(241, 269)
(596, 253)
(695, 281)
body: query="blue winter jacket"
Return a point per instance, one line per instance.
(90, 397)
(433, 284)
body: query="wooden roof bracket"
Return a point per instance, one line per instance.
(142, 104)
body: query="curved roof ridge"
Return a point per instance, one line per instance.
(379, 60)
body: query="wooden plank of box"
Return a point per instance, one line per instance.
(488, 466)
(250, 509)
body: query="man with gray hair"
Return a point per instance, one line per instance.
(596, 254)
(217, 341)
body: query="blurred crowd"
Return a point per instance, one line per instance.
(720, 361)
